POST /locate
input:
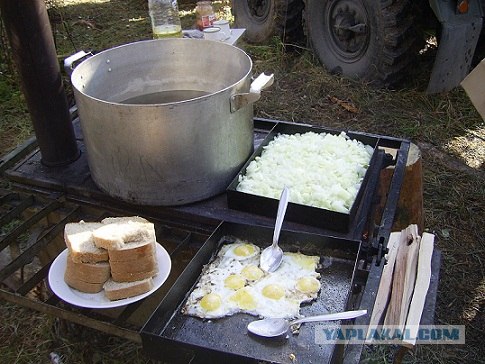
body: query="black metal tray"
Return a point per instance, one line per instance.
(308, 215)
(176, 337)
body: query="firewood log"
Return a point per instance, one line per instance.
(410, 204)
(404, 277)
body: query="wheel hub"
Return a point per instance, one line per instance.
(347, 24)
(259, 9)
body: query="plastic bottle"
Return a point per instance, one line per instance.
(164, 15)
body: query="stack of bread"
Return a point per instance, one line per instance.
(117, 255)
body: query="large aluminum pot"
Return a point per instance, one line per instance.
(166, 122)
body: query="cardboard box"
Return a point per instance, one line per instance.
(474, 85)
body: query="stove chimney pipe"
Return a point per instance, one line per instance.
(30, 35)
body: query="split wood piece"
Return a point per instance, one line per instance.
(410, 204)
(404, 277)
(423, 278)
(384, 291)
(385, 284)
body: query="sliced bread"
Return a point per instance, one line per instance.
(117, 291)
(79, 240)
(117, 255)
(86, 277)
(146, 263)
(82, 286)
(129, 252)
(119, 231)
(88, 272)
(132, 276)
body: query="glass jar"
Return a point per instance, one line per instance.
(204, 14)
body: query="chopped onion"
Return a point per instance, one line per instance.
(320, 169)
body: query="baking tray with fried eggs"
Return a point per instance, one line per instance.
(182, 337)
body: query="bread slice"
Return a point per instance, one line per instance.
(79, 240)
(87, 272)
(117, 291)
(137, 250)
(132, 276)
(86, 277)
(118, 231)
(82, 286)
(147, 263)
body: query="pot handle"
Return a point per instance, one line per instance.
(260, 83)
(69, 61)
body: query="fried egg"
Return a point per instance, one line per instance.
(240, 251)
(252, 272)
(235, 283)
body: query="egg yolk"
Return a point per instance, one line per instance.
(234, 281)
(211, 302)
(308, 285)
(244, 250)
(244, 299)
(273, 291)
(305, 261)
(252, 272)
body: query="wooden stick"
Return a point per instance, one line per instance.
(410, 276)
(404, 277)
(384, 291)
(423, 278)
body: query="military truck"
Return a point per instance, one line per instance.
(372, 40)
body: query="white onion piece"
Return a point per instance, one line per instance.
(320, 169)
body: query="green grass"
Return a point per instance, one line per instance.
(15, 124)
(32, 338)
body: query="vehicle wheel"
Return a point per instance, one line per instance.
(372, 40)
(263, 19)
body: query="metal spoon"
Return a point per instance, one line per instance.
(272, 327)
(272, 256)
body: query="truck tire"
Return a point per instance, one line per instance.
(370, 40)
(264, 19)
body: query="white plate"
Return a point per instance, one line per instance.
(99, 300)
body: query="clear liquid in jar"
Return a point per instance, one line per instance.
(167, 31)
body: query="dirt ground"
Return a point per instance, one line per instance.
(446, 127)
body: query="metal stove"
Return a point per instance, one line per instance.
(43, 199)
